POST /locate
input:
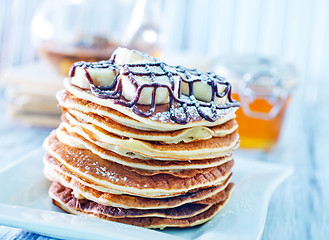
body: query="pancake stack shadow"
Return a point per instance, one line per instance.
(107, 161)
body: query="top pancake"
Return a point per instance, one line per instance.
(160, 120)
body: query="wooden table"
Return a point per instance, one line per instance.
(299, 208)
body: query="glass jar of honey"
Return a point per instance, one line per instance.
(263, 86)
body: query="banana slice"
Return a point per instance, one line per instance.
(202, 91)
(143, 74)
(123, 56)
(101, 76)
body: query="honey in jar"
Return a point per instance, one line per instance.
(259, 132)
(263, 87)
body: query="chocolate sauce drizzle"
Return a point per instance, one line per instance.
(207, 110)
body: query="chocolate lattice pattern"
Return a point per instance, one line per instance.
(177, 104)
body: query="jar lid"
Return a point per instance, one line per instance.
(235, 68)
(254, 77)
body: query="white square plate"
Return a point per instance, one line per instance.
(24, 203)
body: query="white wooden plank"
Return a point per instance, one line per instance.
(291, 26)
(315, 51)
(322, 49)
(246, 28)
(174, 24)
(8, 44)
(223, 17)
(302, 44)
(198, 25)
(289, 211)
(28, 50)
(271, 27)
(320, 117)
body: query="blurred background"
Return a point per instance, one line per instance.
(281, 41)
(275, 53)
(291, 29)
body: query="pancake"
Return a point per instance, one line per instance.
(185, 135)
(134, 160)
(111, 177)
(125, 201)
(160, 119)
(209, 148)
(64, 198)
(57, 191)
(184, 211)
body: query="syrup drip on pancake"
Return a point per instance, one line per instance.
(207, 110)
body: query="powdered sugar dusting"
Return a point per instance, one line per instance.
(161, 117)
(90, 166)
(192, 114)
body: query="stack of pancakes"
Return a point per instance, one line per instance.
(108, 160)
